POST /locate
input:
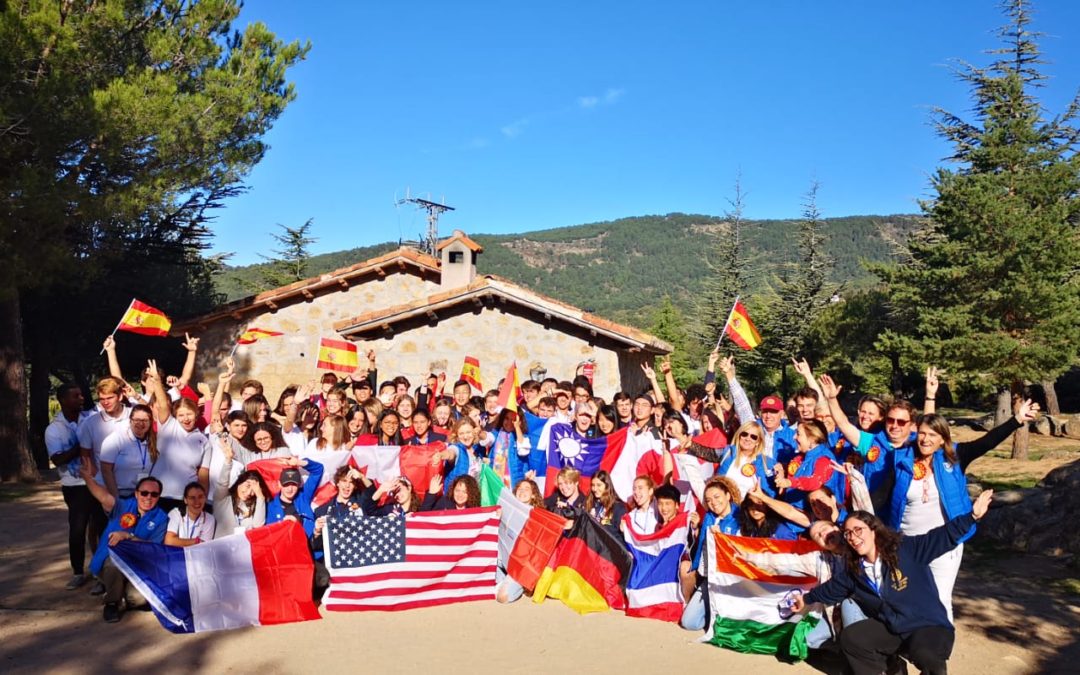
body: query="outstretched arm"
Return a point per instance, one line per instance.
(803, 368)
(162, 409)
(743, 409)
(930, 401)
(87, 472)
(192, 346)
(832, 392)
(110, 353)
(675, 397)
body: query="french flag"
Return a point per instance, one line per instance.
(653, 591)
(254, 578)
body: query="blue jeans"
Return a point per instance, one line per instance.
(693, 616)
(506, 589)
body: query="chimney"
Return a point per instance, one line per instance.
(458, 260)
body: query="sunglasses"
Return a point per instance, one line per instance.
(148, 493)
(897, 421)
(747, 434)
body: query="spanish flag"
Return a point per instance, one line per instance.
(470, 372)
(510, 391)
(143, 319)
(337, 355)
(741, 329)
(252, 335)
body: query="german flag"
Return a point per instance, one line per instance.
(588, 570)
(741, 329)
(470, 372)
(337, 355)
(143, 319)
(252, 335)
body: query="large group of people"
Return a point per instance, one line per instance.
(884, 495)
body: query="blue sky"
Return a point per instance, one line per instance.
(532, 115)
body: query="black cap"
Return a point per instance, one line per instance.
(290, 477)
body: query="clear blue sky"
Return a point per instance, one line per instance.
(529, 116)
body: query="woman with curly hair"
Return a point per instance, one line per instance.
(888, 575)
(464, 493)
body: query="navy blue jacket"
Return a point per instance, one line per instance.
(909, 596)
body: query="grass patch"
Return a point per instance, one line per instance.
(1070, 586)
(13, 493)
(999, 483)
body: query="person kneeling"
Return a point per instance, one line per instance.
(136, 518)
(888, 575)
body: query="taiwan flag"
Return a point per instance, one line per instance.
(567, 447)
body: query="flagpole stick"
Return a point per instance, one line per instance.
(233, 352)
(728, 321)
(130, 304)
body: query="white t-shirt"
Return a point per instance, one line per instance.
(213, 460)
(180, 454)
(922, 516)
(95, 428)
(60, 436)
(734, 472)
(130, 458)
(201, 528)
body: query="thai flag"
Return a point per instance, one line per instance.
(254, 578)
(653, 589)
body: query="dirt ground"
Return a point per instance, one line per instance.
(1015, 614)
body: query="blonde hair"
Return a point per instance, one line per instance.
(759, 445)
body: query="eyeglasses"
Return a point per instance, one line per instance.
(747, 434)
(859, 532)
(897, 421)
(140, 420)
(148, 493)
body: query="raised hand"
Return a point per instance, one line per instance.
(665, 365)
(109, 344)
(727, 367)
(829, 388)
(1028, 411)
(932, 381)
(191, 343)
(714, 356)
(982, 503)
(803, 368)
(650, 374)
(435, 486)
(151, 373)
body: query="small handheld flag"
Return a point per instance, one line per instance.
(146, 320)
(510, 389)
(337, 355)
(740, 328)
(252, 335)
(470, 372)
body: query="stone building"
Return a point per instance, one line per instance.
(422, 314)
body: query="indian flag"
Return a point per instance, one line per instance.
(745, 598)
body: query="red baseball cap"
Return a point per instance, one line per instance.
(771, 403)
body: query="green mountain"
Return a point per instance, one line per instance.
(619, 268)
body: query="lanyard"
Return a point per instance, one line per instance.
(871, 578)
(191, 527)
(144, 451)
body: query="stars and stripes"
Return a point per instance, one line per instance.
(419, 560)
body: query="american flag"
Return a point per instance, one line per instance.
(419, 560)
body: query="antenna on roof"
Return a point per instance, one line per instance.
(434, 210)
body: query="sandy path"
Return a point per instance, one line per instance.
(45, 628)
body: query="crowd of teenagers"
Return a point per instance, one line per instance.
(169, 463)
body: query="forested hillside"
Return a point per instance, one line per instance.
(617, 268)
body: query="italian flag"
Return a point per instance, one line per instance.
(745, 597)
(527, 536)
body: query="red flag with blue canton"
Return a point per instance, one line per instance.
(568, 447)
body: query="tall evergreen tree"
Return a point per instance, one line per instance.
(669, 324)
(290, 262)
(123, 124)
(993, 277)
(727, 262)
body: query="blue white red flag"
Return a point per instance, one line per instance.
(253, 578)
(567, 447)
(653, 590)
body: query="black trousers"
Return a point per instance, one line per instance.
(868, 644)
(81, 507)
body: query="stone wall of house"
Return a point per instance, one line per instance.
(290, 358)
(499, 336)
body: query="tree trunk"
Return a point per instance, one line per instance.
(40, 392)
(1052, 406)
(1023, 434)
(15, 460)
(897, 375)
(1004, 408)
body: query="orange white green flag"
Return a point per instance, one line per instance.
(470, 372)
(337, 355)
(740, 328)
(146, 320)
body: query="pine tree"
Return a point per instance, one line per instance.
(290, 262)
(727, 263)
(993, 277)
(669, 324)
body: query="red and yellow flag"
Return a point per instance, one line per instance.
(338, 355)
(143, 319)
(470, 372)
(741, 329)
(510, 391)
(253, 334)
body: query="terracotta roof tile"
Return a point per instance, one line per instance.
(464, 239)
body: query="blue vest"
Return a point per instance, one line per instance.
(878, 464)
(949, 479)
(784, 446)
(764, 473)
(461, 464)
(150, 527)
(835, 483)
(728, 525)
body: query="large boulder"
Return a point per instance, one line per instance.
(1040, 519)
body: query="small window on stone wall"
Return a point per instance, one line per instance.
(456, 256)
